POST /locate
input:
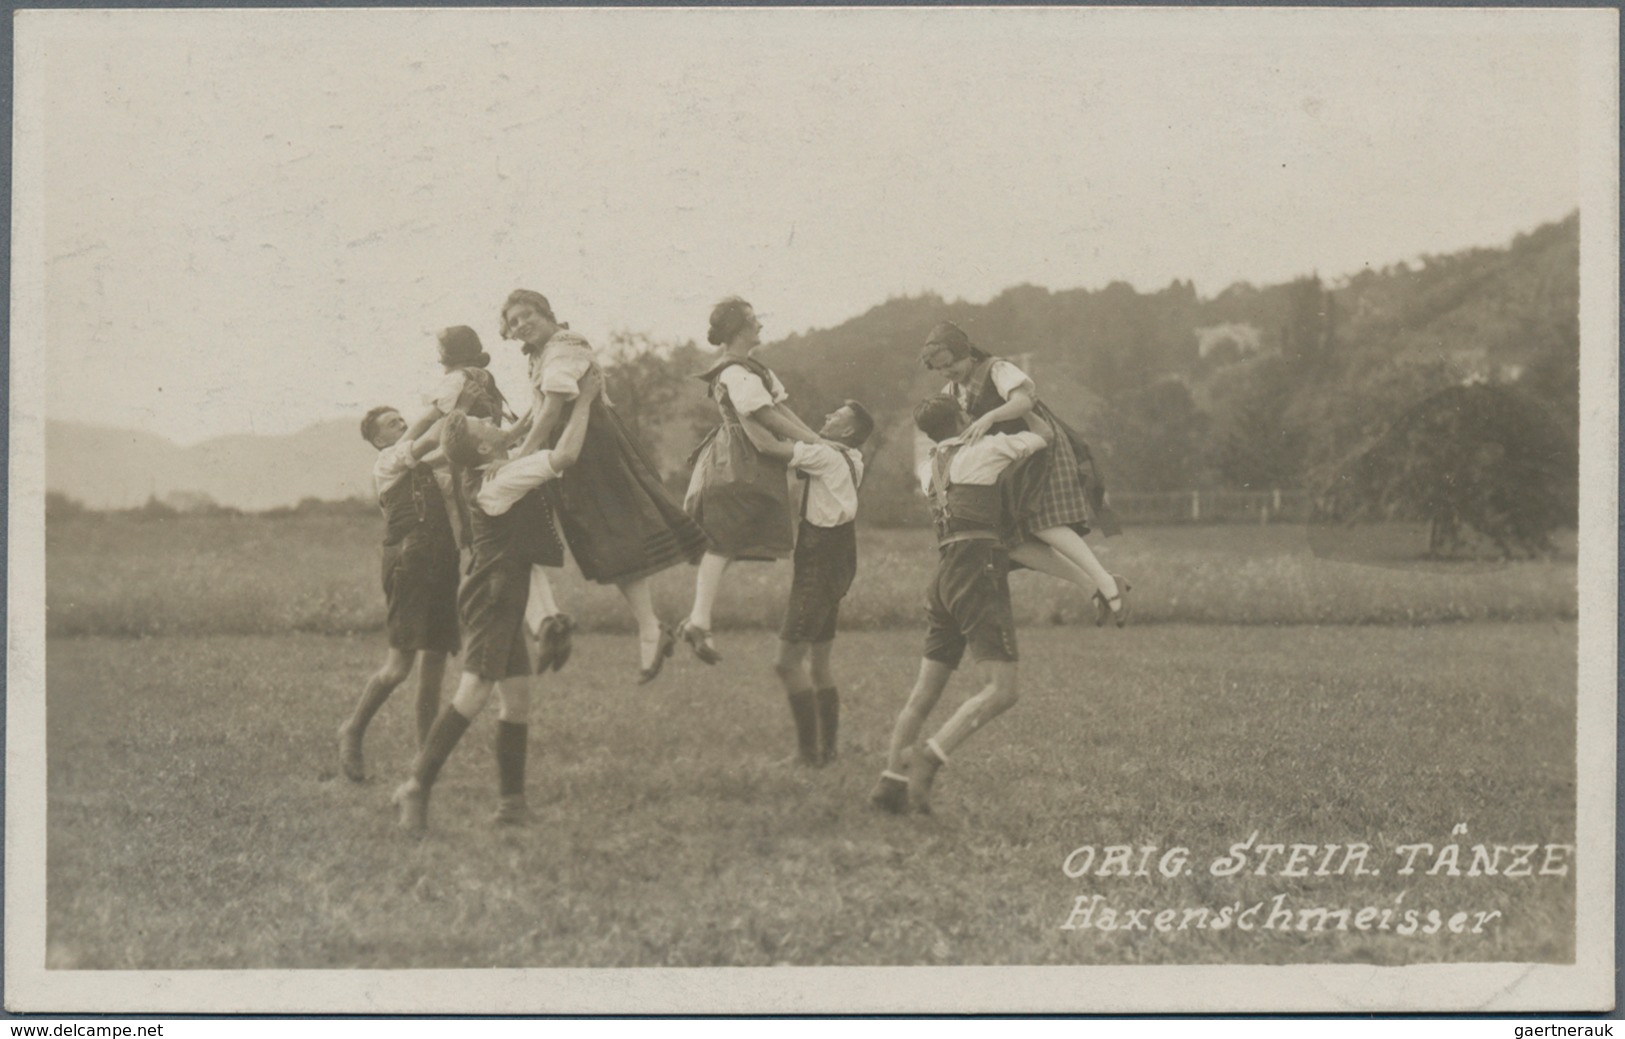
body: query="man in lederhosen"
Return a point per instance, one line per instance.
(968, 602)
(419, 575)
(825, 560)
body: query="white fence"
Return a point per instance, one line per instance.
(1143, 508)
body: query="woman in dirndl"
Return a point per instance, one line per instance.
(740, 496)
(467, 386)
(621, 524)
(1056, 497)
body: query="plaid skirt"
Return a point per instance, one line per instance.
(1060, 487)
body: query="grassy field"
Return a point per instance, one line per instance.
(195, 819)
(253, 575)
(1286, 682)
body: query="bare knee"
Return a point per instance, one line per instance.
(788, 663)
(395, 670)
(472, 693)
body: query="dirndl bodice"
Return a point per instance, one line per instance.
(739, 496)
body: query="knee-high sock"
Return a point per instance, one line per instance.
(512, 749)
(829, 720)
(443, 737)
(805, 713)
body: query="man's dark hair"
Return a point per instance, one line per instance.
(458, 444)
(369, 422)
(938, 417)
(862, 420)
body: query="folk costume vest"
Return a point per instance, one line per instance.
(744, 470)
(981, 397)
(480, 397)
(1026, 482)
(962, 512)
(750, 364)
(412, 505)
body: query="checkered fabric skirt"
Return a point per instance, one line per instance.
(1052, 490)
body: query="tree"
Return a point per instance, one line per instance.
(60, 506)
(1307, 331)
(1160, 441)
(1491, 458)
(1256, 446)
(654, 390)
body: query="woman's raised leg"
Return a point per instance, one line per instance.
(1070, 543)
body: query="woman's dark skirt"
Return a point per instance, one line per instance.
(618, 519)
(740, 497)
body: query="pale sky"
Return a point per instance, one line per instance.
(256, 220)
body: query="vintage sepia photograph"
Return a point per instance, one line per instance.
(812, 510)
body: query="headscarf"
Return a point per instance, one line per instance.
(950, 337)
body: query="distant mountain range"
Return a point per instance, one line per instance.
(120, 468)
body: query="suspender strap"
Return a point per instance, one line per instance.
(806, 480)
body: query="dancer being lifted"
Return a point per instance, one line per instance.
(467, 386)
(620, 523)
(1058, 496)
(738, 494)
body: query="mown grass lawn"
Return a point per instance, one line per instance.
(257, 575)
(195, 819)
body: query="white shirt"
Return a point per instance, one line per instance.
(1005, 377)
(981, 463)
(502, 491)
(746, 392)
(832, 494)
(445, 393)
(391, 466)
(561, 364)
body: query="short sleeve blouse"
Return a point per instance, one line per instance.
(446, 391)
(560, 365)
(1005, 377)
(747, 392)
